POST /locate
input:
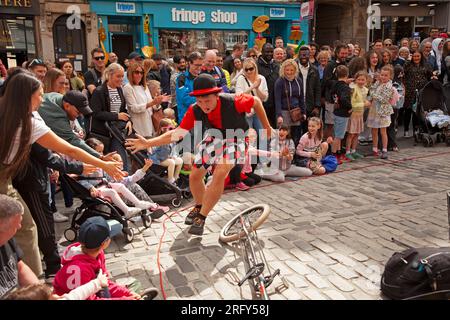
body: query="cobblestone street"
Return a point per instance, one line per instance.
(330, 236)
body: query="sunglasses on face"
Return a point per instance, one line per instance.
(249, 69)
(168, 128)
(99, 58)
(139, 72)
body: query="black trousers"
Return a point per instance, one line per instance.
(252, 179)
(392, 135)
(235, 174)
(42, 214)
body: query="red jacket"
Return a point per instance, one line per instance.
(79, 268)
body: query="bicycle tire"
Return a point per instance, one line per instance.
(228, 236)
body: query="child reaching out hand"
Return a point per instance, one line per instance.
(110, 189)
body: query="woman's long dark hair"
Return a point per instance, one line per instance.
(15, 113)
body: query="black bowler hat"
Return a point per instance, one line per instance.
(79, 100)
(204, 85)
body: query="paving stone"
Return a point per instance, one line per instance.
(344, 271)
(297, 281)
(298, 267)
(184, 264)
(185, 292)
(341, 284)
(313, 294)
(322, 246)
(176, 278)
(291, 294)
(282, 242)
(334, 295)
(281, 254)
(317, 281)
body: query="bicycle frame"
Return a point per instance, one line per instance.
(256, 262)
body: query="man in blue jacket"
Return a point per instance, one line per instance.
(185, 84)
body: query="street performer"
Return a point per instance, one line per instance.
(217, 113)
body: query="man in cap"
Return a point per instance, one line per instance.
(58, 111)
(224, 128)
(83, 260)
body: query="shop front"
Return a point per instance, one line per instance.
(176, 27)
(18, 31)
(412, 19)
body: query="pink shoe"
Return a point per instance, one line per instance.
(242, 186)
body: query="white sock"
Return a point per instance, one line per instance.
(384, 150)
(353, 150)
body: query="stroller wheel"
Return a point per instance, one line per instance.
(146, 221)
(176, 202)
(70, 234)
(186, 194)
(129, 234)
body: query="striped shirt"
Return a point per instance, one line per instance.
(115, 100)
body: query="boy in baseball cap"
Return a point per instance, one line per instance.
(83, 260)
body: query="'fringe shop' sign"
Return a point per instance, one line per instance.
(195, 17)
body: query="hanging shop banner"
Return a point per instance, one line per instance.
(307, 10)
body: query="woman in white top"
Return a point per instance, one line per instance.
(250, 82)
(238, 70)
(21, 126)
(140, 104)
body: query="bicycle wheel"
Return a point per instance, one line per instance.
(233, 230)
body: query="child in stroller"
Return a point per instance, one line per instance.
(154, 183)
(127, 188)
(431, 110)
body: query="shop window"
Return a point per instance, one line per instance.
(172, 42)
(17, 43)
(394, 28)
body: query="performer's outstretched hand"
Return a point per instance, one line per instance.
(135, 145)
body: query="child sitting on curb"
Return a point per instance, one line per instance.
(311, 149)
(83, 260)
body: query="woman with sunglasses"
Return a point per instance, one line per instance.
(255, 84)
(140, 103)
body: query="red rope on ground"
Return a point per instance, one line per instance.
(384, 163)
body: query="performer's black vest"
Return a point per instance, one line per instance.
(231, 119)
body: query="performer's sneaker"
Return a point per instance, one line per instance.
(197, 226)
(190, 217)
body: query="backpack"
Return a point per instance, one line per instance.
(417, 273)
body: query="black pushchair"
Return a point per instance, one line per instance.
(97, 207)
(431, 98)
(154, 183)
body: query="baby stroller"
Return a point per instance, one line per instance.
(431, 101)
(97, 207)
(154, 183)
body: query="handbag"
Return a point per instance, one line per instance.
(295, 113)
(157, 115)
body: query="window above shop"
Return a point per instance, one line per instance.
(173, 42)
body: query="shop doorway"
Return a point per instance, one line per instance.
(122, 46)
(277, 28)
(70, 44)
(329, 24)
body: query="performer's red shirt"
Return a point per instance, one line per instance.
(242, 103)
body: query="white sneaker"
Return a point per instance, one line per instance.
(144, 205)
(132, 211)
(58, 217)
